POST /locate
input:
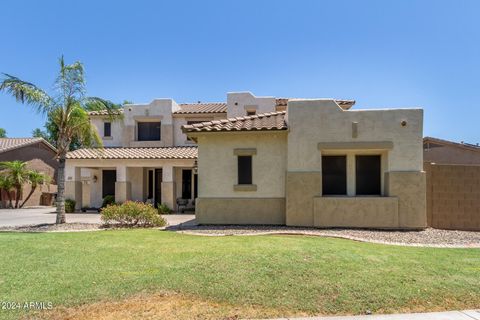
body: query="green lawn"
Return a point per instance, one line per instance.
(296, 273)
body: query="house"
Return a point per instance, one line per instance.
(39, 155)
(453, 175)
(302, 162)
(261, 160)
(146, 156)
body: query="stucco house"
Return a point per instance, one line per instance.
(39, 155)
(261, 160)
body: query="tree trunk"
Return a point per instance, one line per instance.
(61, 189)
(9, 196)
(32, 190)
(18, 190)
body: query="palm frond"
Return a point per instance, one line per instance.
(113, 110)
(70, 81)
(26, 92)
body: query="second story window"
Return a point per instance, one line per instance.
(107, 129)
(148, 131)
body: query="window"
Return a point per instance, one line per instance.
(148, 131)
(186, 184)
(244, 169)
(368, 175)
(107, 129)
(251, 112)
(150, 184)
(334, 175)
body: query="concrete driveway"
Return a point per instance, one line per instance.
(42, 215)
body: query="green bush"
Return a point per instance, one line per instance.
(108, 200)
(131, 213)
(69, 205)
(163, 209)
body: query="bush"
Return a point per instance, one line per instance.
(163, 209)
(69, 205)
(108, 200)
(131, 214)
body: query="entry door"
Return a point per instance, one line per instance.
(109, 177)
(158, 187)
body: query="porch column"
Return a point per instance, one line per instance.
(123, 188)
(168, 186)
(73, 186)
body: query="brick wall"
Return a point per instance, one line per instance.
(453, 196)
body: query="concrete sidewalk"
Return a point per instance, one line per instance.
(448, 315)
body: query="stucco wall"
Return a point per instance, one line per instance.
(361, 212)
(314, 121)
(217, 165)
(240, 211)
(239, 102)
(117, 131)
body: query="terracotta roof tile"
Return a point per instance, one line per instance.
(7, 144)
(265, 121)
(103, 112)
(134, 153)
(345, 104)
(211, 107)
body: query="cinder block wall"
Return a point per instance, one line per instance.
(453, 196)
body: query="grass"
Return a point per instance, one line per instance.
(289, 274)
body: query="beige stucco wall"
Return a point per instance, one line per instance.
(360, 212)
(315, 121)
(240, 211)
(217, 164)
(239, 102)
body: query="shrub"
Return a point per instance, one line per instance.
(69, 205)
(163, 209)
(108, 200)
(131, 214)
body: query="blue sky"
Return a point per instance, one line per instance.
(380, 53)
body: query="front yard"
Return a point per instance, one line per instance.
(257, 276)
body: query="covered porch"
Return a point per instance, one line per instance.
(157, 181)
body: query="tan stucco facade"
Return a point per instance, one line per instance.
(287, 165)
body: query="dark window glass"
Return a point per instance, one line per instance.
(148, 131)
(251, 113)
(150, 184)
(109, 177)
(107, 129)
(244, 169)
(186, 184)
(334, 175)
(368, 178)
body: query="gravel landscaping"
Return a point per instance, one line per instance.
(52, 227)
(428, 237)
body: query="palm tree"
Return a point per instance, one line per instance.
(17, 173)
(67, 107)
(35, 179)
(7, 185)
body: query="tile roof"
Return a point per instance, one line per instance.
(469, 146)
(345, 104)
(260, 122)
(211, 107)
(7, 144)
(134, 153)
(103, 112)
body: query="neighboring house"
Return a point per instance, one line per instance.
(453, 192)
(40, 156)
(310, 163)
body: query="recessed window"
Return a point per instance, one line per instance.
(148, 131)
(186, 184)
(334, 175)
(368, 175)
(251, 112)
(244, 169)
(107, 129)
